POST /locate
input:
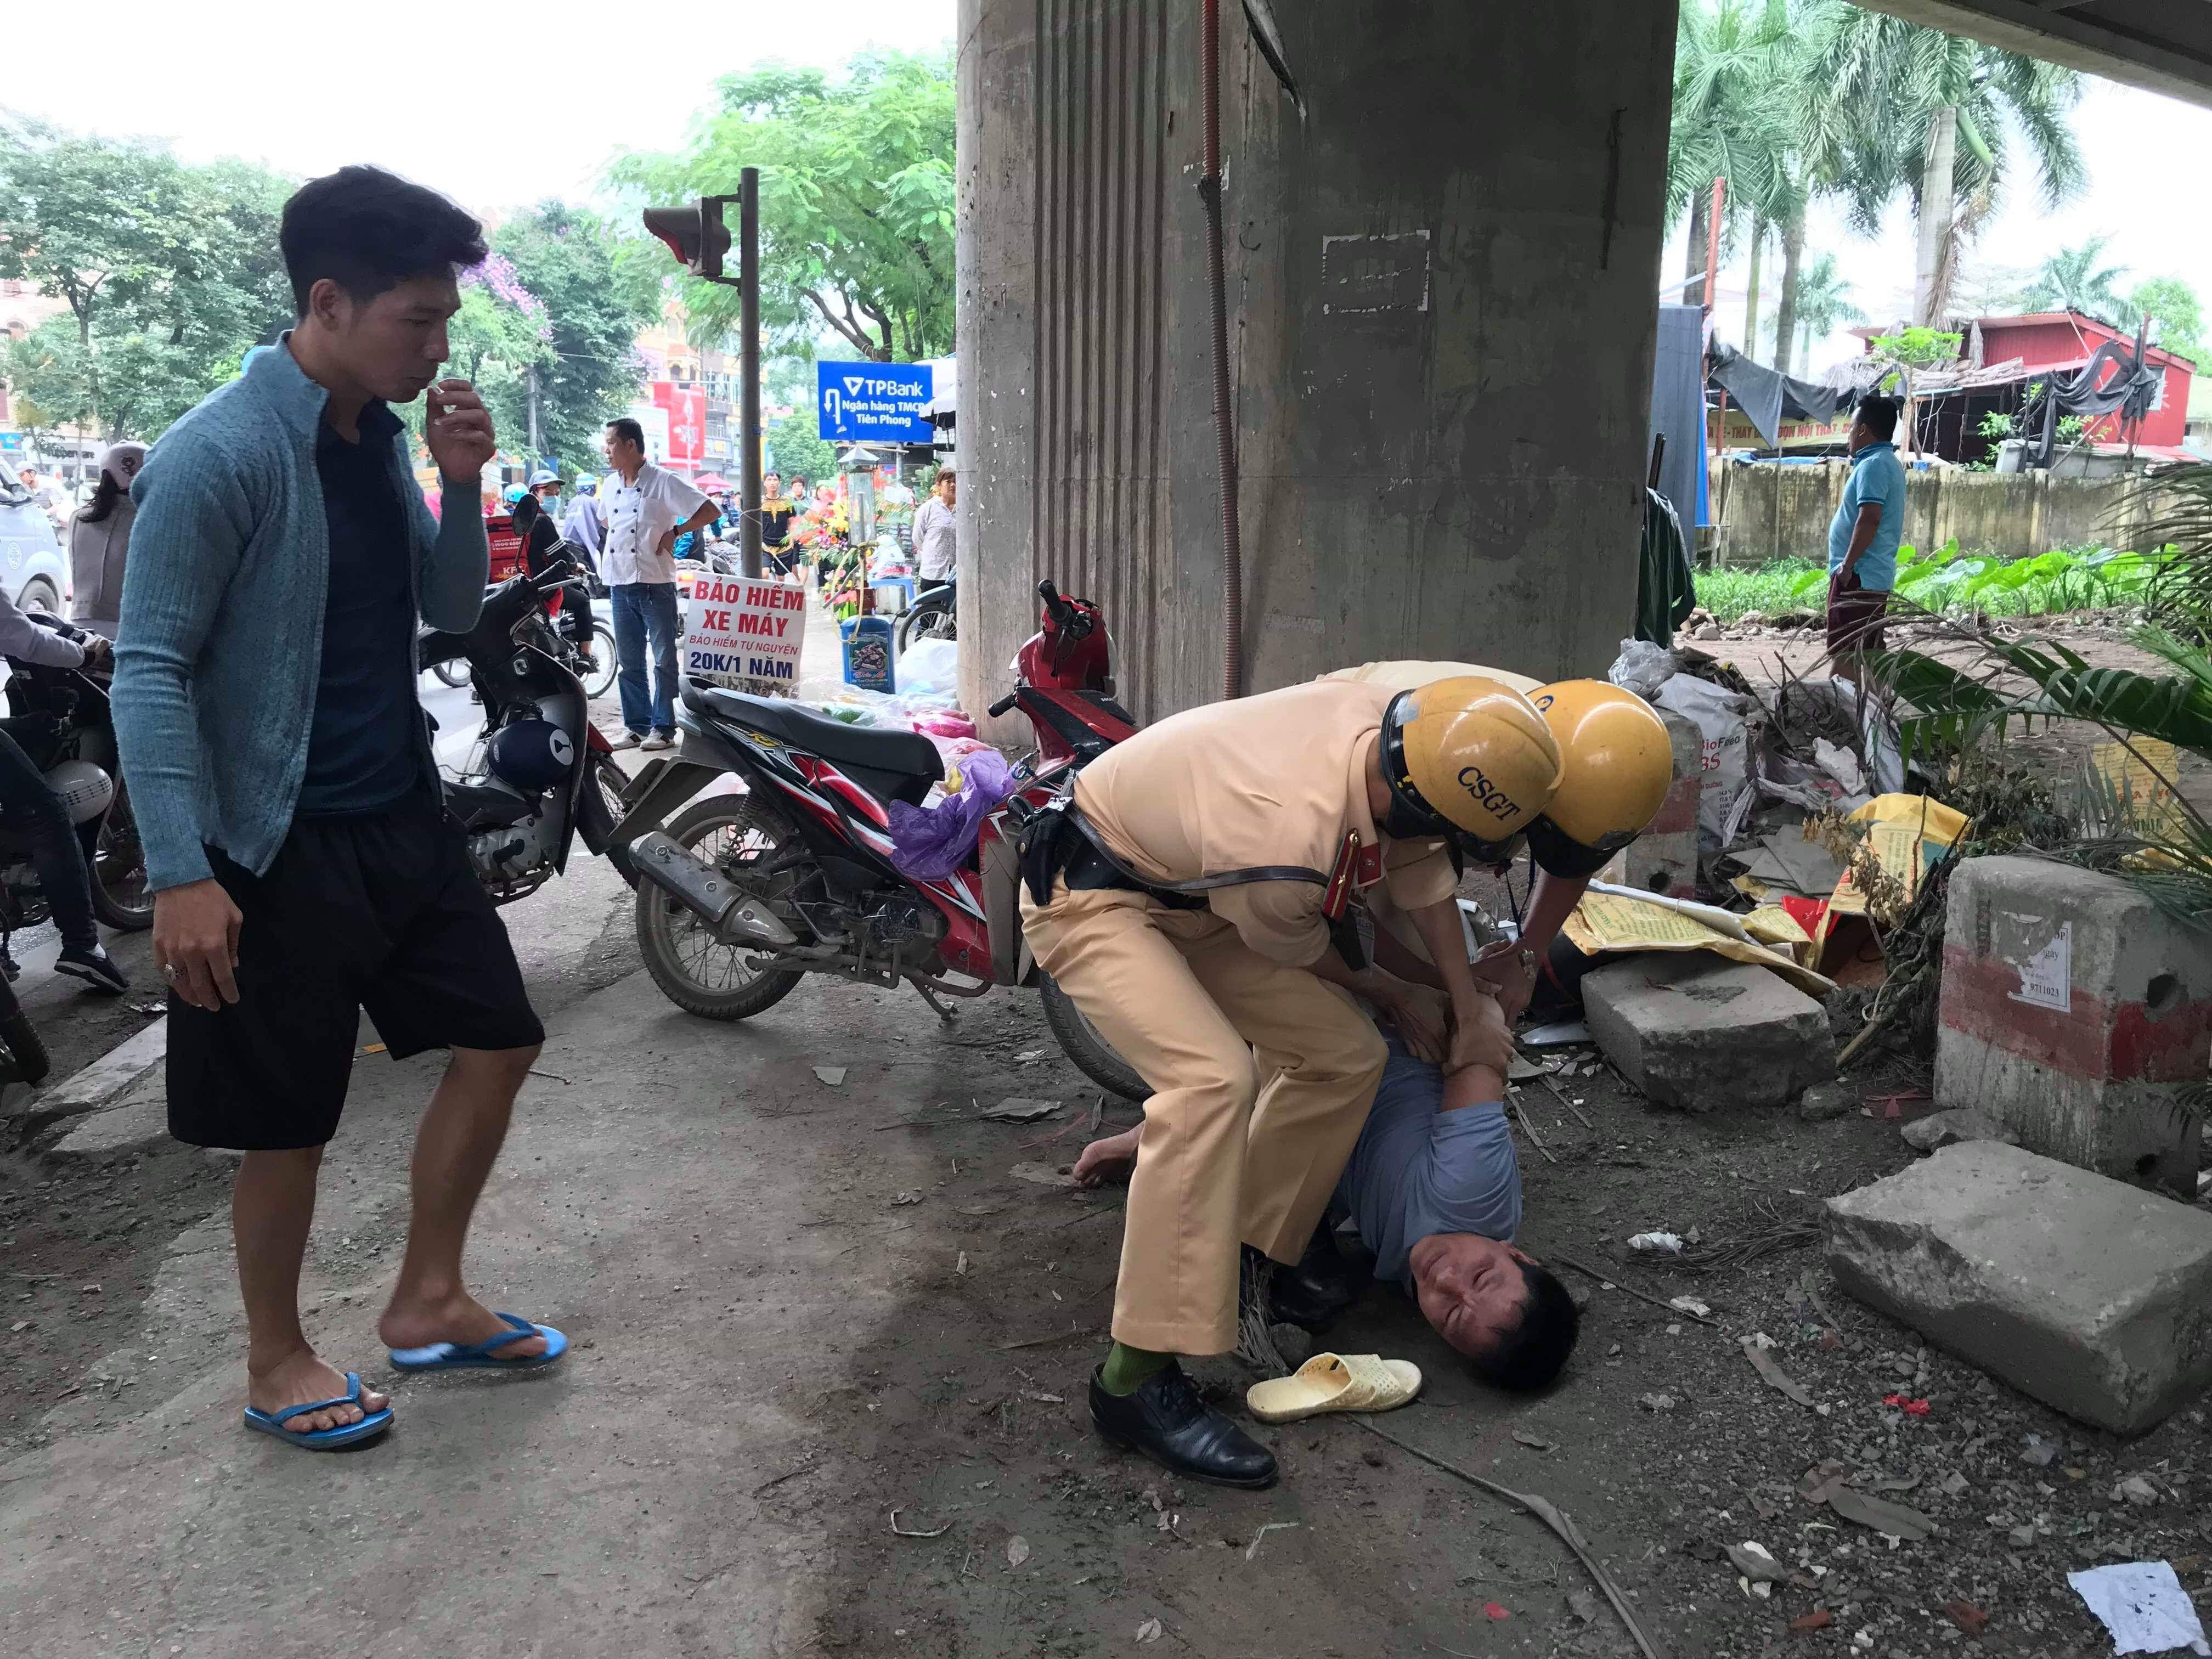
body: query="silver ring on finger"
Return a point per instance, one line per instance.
(169, 971)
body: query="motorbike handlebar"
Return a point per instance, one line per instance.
(1003, 704)
(1064, 616)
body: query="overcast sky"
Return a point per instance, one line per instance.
(502, 114)
(498, 106)
(2146, 157)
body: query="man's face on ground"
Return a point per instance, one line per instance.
(392, 345)
(1861, 435)
(771, 487)
(1470, 1289)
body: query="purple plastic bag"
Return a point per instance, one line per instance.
(928, 843)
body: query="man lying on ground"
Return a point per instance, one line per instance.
(1435, 1190)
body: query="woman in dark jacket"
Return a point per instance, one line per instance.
(540, 536)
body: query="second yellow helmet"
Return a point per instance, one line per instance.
(1617, 767)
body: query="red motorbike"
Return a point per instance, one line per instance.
(761, 850)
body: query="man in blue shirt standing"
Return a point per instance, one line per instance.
(1862, 540)
(303, 866)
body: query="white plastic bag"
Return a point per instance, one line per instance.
(1722, 720)
(1642, 667)
(930, 664)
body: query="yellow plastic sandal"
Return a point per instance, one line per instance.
(1334, 1383)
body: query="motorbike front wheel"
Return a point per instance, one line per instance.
(601, 679)
(697, 972)
(453, 672)
(928, 620)
(1093, 1055)
(120, 896)
(26, 1059)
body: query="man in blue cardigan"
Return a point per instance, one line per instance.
(281, 771)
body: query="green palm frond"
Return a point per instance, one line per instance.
(2176, 502)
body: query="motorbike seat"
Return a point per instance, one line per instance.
(481, 808)
(906, 755)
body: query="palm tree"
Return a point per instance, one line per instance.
(1888, 106)
(1823, 302)
(2073, 279)
(1733, 64)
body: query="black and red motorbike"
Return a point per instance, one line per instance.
(742, 892)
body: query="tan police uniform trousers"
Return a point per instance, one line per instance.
(1238, 1144)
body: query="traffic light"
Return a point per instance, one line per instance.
(695, 235)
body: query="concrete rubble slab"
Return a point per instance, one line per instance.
(2093, 1296)
(1696, 1031)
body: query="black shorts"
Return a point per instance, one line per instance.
(379, 912)
(1855, 618)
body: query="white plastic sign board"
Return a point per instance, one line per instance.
(737, 628)
(2046, 979)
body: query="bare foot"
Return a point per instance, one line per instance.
(302, 1376)
(1109, 1159)
(460, 1319)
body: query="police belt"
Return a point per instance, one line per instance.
(1058, 840)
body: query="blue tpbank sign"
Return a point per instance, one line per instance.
(879, 403)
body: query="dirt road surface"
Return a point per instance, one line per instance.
(827, 1389)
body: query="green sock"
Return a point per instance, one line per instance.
(1128, 1370)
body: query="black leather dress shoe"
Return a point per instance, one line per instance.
(1166, 1421)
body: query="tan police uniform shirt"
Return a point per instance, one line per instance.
(1279, 778)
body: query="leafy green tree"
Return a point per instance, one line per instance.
(2172, 304)
(2077, 279)
(856, 200)
(1823, 301)
(595, 290)
(170, 272)
(1733, 63)
(1888, 108)
(796, 447)
(1915, 349)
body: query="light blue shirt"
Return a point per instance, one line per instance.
(1419, 1170)
(1876, 475)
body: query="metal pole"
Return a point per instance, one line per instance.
(537, 447)
(748, 409)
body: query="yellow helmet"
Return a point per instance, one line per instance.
(1468, 757)
(1619, 767)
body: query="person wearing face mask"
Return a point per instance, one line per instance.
(1183, 897)
(100, 540)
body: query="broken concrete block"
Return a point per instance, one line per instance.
(1948, 1128)
(1699, 1031)
(2089, 1294)
(2077, 1013)
(1824, 1100)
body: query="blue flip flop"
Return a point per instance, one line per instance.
(477, 1355)
(321, 1439)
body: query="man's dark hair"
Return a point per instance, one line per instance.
(1537, 1349)
(368, 231)
(1880, 415)
(628, 430)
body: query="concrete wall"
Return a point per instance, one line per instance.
(1441, 288)
(1764, 512)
